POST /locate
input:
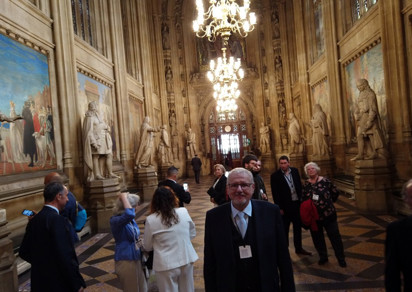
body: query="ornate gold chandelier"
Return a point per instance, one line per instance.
(225, 17)
(224, 71)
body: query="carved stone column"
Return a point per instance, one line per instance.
(298, 160)
(101, 196)
(8, 267)
(268, 161)
(163, 170)
(373, 188)
(146, 179)
(326, 167)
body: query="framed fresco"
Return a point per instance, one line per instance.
(370, 67)
(91, 90)
(27, 138)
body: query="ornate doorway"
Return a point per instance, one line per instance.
(228, 138)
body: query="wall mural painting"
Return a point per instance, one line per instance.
(136, 121)
(92, 90)
(368, 66)
(26, 130)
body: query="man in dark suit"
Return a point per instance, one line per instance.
(48, 247)
(245, 247)
(171, 182)
(197, 166)
(398, 249)
(287, 191)
(251, 163)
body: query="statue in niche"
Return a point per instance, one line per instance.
(275, 21)
(164, 149)
(320, 133)
(97, 147)
(278, 69)
(190, 143)
(165, 36)
(169, 79)
(284, 141)
(264, 138)
(296, 139)
(172, 123)
(371, 143)
(144, 156)
(282, 114)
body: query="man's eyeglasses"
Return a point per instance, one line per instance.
(243, 186)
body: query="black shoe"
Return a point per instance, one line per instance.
(322, 261)
(303, 252)
(342, 263)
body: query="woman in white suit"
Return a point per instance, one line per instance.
(168, 231)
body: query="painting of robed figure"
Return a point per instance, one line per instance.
(27, 138)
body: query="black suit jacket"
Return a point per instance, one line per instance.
(183, 196)
(218, 193)
(398, 255)
(196, 163)
(47, 245)
(275, 266)
(281, 191)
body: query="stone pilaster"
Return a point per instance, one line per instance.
(163, 170)
(8, 267)
(146, 179)
(101, 196)
(268, 162)
(373, 188)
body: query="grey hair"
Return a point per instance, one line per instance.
(405, 188)
(240, 170)
(133, 200)
(222, 168)
(313, 164)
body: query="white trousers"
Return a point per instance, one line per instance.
(131, 276)
(176, 280)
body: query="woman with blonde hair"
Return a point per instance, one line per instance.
(217, 191)
(168, 231)
(127, 255)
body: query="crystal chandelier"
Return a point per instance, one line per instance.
(224, 71)
(226, 105)
(225, 16)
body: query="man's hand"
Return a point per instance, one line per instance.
(264, 197)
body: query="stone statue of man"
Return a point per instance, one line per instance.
(296, 139)
(264, 138)
(98, 155)
(144, 156)
(320, 133)
(371, 143)
(190, 143)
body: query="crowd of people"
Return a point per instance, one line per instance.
(246, 236)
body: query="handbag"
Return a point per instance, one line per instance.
(81, 217)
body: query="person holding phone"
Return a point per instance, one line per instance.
(181, 192)
(48, 247)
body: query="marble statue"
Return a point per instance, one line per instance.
(371, 143)
(97, 147)
(320, 133)
(190, 143)
(144, 156)
(165, 148)
(165, 36)
(169, 79)
(296, 139)
(264, 138)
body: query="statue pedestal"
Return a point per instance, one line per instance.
(163, 171)
(189, 169)
(373, 186)
(8, 271)
(101, 196)
(146, 179)
(268, 162)
(298, 161)
(326, 167)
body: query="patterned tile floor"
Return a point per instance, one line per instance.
(363, 238)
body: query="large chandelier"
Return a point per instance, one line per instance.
(225, 71)
(225, 16)
(226, 105)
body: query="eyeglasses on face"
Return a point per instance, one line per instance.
(243, 186)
